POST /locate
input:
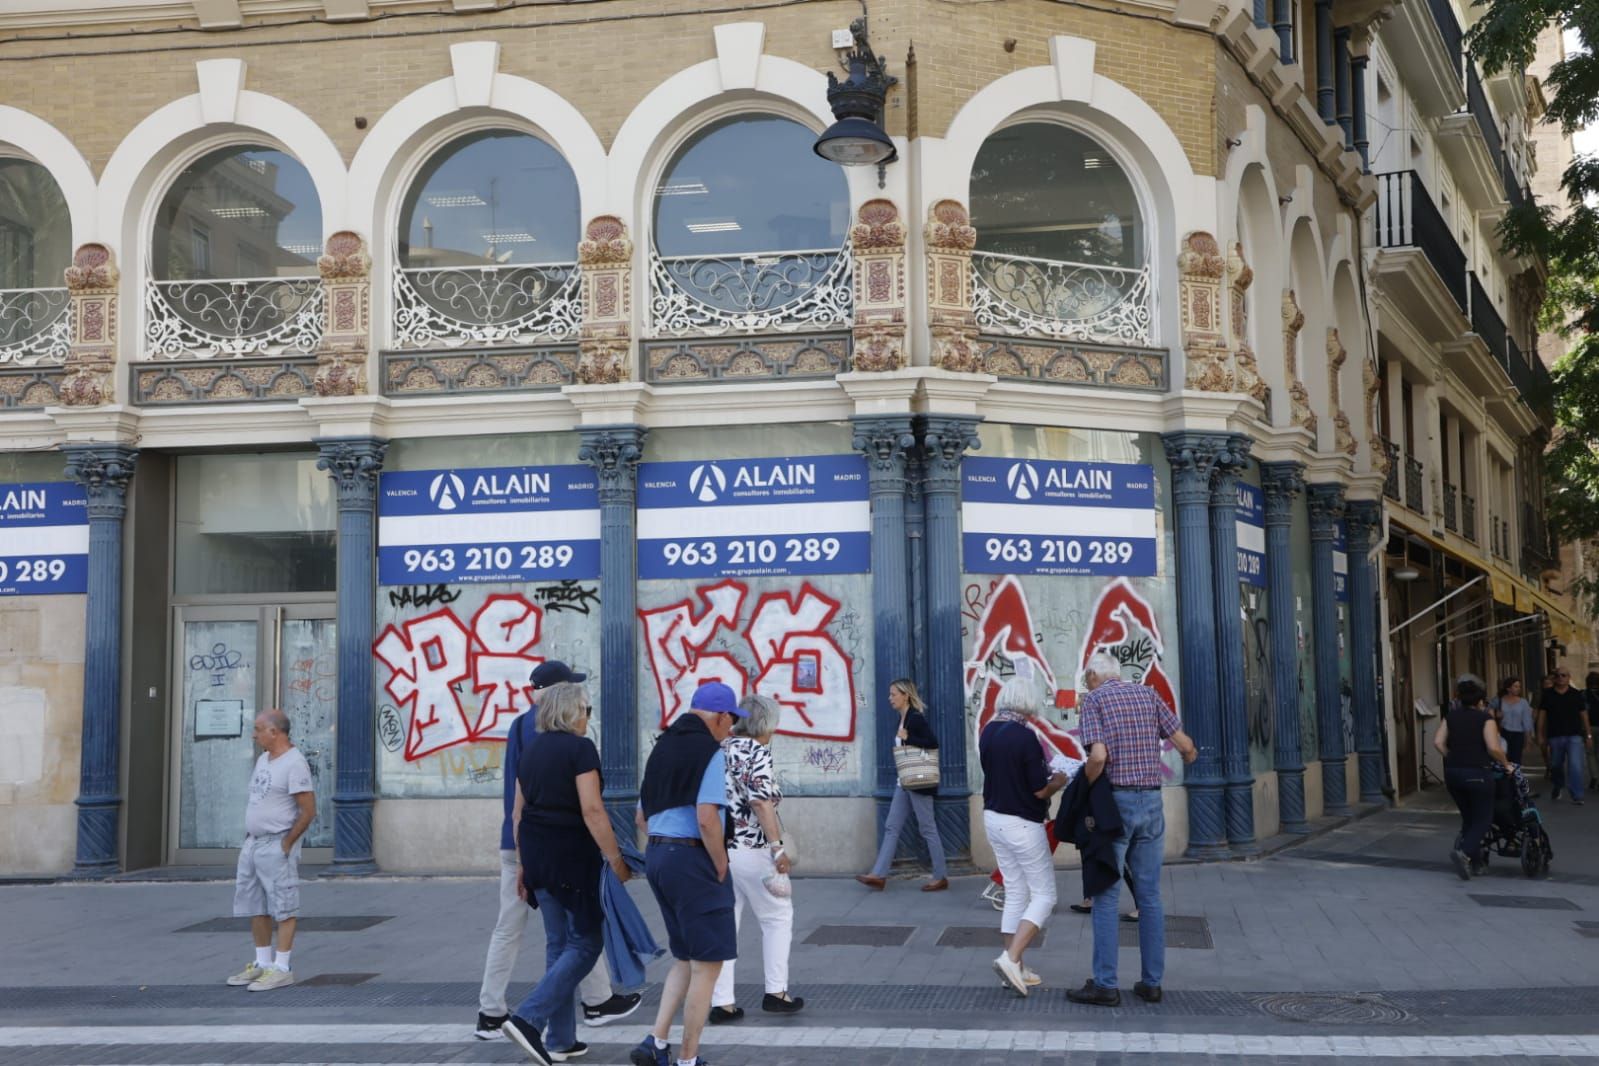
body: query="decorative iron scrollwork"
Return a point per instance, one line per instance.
(1066, 301)
(233, 317)
(35, 326)
(781, 291)
(447, 307)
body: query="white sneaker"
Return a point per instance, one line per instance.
(272, 978)
(1010, 973)
(1032, 979)
(247, 976)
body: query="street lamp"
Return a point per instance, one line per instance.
(857, 139)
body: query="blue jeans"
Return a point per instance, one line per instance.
(899, 810)
(1139, 851)
(570, 952)
(1568, 764)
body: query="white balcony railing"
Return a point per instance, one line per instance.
(1062, 300)
(232, 317)
(447, 307)
(35, 326)
(767, 292)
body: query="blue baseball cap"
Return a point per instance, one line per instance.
(553, 672)
(717, 698)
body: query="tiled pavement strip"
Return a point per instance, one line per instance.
(1443, 976)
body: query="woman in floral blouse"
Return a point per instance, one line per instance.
(755, 855)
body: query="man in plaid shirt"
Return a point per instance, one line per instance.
(1122, 726)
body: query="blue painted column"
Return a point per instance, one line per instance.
(1326, 508)
(945, 440)
(1234, 710)
(1361, 524)
(614, 453)
(1357, 79)
(1282, 483)
(1261, 21)
(1193, 457)
(104, 471)
(1324, 62)
(354, 464)
(1343, 91)
(1284, 25)
(916, 561)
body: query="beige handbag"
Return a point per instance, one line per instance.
(917, 767)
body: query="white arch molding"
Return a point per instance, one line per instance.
(50, 148)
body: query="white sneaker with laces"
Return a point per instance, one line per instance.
(1011, 973)
(1032, 979)
(272, 978)
(247, 976)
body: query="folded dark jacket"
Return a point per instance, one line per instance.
(1090, 819)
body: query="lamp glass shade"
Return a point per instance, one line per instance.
(855, 142)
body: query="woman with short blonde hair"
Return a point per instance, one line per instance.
(562, 708)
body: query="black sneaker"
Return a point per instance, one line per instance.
(1148, 993)
(648, 1054)
(784, 1004)
(526, 1037)
(1094, 995)
(577, 1050)
(617, 1007)
(490, 1026)
(723, 1015)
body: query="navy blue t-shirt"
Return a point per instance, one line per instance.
(1013, 769)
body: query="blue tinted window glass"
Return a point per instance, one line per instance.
(239, 212)
(35, 229)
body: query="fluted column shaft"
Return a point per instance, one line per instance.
(1233, 709)
(1326, 509)
(1361, 525)
(1281, 483)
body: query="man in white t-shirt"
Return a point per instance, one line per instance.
(267, 886)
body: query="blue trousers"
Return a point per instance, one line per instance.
(1139, 851)
(571, 948)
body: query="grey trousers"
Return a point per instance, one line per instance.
(904, 803)
(507, 938)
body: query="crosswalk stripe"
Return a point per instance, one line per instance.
(858, 1037)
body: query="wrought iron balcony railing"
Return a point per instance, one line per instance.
(232, 317)
(1504, 539)
(1493, 538)
(1451, 518)
(1487, 324)
(1477, 104)
(1407, 218)
(448, 307)
(1468, 516)
(1515, 191)
(35, 326)
(1390, 487)
(1448, 23)
(758, 293)
(1413, 482)
(1062, 300)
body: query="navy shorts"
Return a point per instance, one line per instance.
(696, 907)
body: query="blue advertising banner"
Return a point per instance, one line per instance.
(1038, 516)
(493, 524)
(1340, 565)
(1251, 536)
(44, 539)
(754, 517)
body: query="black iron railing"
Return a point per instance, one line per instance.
(1477, 104)
(1486, 323)
(1390, 487)
(1504, 539)
(1515, 192)
(1413, 480)
(1468, 516)
(1493, 537)
(1538, 551)
(1451, 517)
(1448, 23)
(1407, 218)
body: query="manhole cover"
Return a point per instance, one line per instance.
(1332, 1008)
(979, 936)
(1530, 903)
(317, 923)
(1182, 931)
(861, 936)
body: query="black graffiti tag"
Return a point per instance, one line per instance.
(422, 595)
(390, 733)
(568, 595)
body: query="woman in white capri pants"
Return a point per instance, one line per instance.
(1017, 786)
(754, 855)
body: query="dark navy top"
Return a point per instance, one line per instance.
(1013, 769)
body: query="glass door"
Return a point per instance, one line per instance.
(230, 663)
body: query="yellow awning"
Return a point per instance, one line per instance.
(1504, 587)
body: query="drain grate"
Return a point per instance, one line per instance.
(1333, 1008)
(1528, 903)
(979, 936)
(317, 923)
(342, 980)
(860, 936)
(1182, 931)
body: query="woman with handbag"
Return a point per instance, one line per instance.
(916, 759)
(757, 858)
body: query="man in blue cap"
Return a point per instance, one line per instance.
(600, 1005)
(683, 807)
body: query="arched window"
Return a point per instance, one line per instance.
(35, 247)
(749, 232)
(233, 258)
(1060, 239)
(487, 245)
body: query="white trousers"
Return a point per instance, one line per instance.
(749, 867)
(1022, 851)
(507, 939)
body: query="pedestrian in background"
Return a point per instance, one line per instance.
(757, 859)
(1468, 740)
(1565, 733)
(914, 731)
(563, 836)
(683, 809)
(266, 885)
(1515, 718)
(1122, 726)
(1591, 698)
(600, 1006)
(1017, 786)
